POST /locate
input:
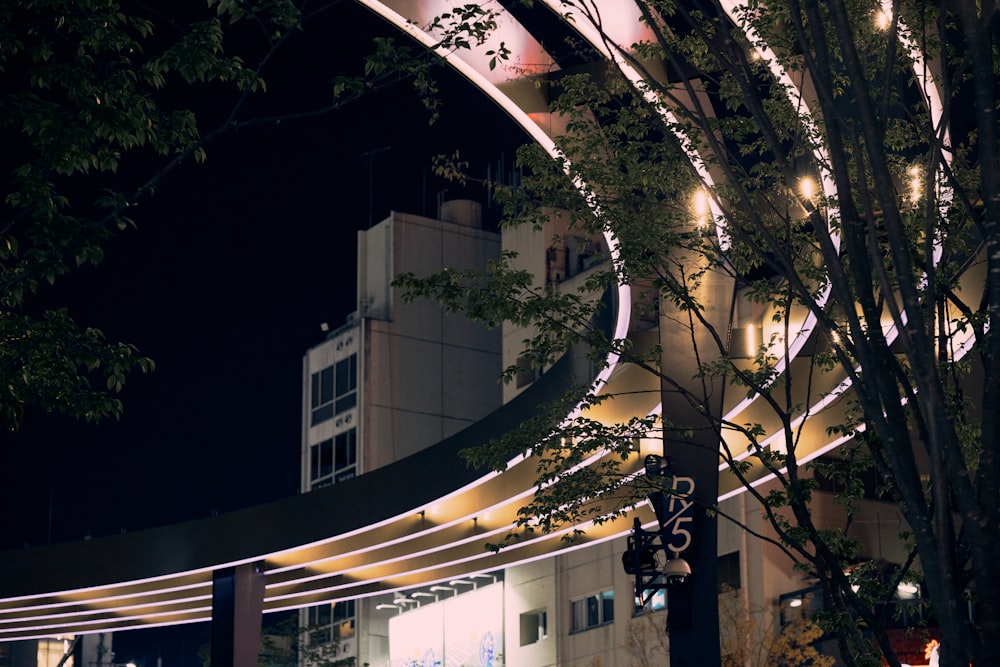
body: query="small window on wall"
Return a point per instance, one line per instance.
(525, 373)
(534, 627)
(729, 572)
(593, 610)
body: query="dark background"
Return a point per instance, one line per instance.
(233, 267)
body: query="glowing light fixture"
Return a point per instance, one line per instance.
(883, 19)
(916, 175)
(807, 188)
(795, 602)
(700, 207)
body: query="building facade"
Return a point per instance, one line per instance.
(395, 378)
(398, 377)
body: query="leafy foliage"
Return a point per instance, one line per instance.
(103, 99)
(798, 218)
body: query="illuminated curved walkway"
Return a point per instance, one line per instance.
(427, 518)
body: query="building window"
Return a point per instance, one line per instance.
(534, 626)
(593, 610)
(334, 459)
(321, 461)
(526, 374)
(334, 389)
(318, 624)
(654, 602)
(729, 572)
(321, 395)
(347, 384)
(343, 620)
(346, 454)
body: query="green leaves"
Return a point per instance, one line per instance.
(54, 364)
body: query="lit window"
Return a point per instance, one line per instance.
(343, 619)
(593, 610)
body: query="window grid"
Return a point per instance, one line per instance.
(593, 611)
(333, 390)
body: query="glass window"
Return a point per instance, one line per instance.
(347, 383)
(593, 610)
(321, 460)
(729, 571)
(343, 619)
(319, 624)
(334, 389)
(346, 450)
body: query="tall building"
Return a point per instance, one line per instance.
(396, 377)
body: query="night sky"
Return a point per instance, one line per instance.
(234, 266)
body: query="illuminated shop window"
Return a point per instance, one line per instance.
(593, 611)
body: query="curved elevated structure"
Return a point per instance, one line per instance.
(428, 518)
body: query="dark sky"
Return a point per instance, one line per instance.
(225, 283)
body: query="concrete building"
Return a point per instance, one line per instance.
(396, 377)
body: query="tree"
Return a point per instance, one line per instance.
(831, 171)
(101, 101)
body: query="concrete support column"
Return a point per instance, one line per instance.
(237, 608)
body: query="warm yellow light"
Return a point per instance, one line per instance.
(916, 175)
(751, 340)
(807, 188)
(883, 19)
(700, 206)
(795, 602)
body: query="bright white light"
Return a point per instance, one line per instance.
(807, 188)
(883, 19)
(700, 206)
